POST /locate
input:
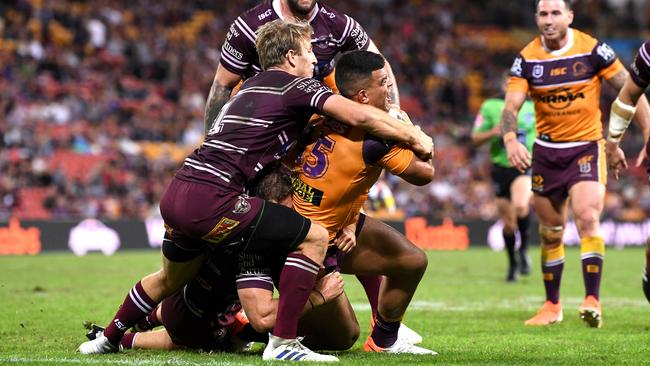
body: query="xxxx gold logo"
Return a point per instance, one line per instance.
(537, 183)
(584, 164)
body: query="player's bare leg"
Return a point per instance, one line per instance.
(520, 196)
(552, 216)
(332, 326)
(382, 250)
(587, 200)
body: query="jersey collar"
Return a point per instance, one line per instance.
(276, 8)
(562, 50)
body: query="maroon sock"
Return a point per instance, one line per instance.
(136, 306)
(297, 279)
(384, 333)
(371, 284)
(149, 322)
(592, 269)
(127, 340)
(552, 278)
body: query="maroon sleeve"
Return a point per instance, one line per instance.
(354, 37)
(238, 53)
(309, 94)
(640, 68)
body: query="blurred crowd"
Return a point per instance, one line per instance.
(100, 100)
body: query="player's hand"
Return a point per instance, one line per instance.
(423, 144)
(346, 239)
(642, 155)
(330, 286)
(615, 158)
(518, 155)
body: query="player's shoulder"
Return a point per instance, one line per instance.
(532, 49)
(258, 15)
(584, 41)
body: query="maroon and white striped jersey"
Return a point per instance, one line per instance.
(334, 32)
(254, 129)
(640, 68)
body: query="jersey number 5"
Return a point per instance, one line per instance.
(316, 161)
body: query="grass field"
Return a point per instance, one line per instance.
(463, 308)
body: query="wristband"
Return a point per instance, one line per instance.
(619, 119)
(509, 136)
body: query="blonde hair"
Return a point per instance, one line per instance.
(276, 38)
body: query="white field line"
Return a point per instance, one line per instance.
(525, 303)
(94, 360)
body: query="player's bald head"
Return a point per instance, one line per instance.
(354, 71)
(567, 3)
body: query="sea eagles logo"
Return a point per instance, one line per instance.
(538, 71)
(242, 206)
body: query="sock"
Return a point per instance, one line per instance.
(249, 334)
(552, 266)
(371, 284)
(592, 252)
(647, 257)
(297, 279)
(384, 333)
(510, 248)
(127, 340)
(149, 322)
(136, 306)
(522, 224)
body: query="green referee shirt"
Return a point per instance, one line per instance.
(490, 115)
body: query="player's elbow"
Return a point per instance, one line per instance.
(421, 176)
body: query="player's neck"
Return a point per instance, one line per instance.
(557, 44)
(288, 14)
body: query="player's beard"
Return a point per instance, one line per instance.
(297, 9)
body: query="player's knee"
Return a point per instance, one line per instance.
(509, 227)
(587, 221)
(521, 210)
(419, 262)
(346, 338)
(551, 236)
(315, 244)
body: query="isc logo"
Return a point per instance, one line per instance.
(264, 14)
(558, 71)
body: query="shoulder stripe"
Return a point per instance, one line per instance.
(316, 98)
(346, 31)
(248, 32)
(246, 121)
(644, 55)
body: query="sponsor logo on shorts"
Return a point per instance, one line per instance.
(242, 206)
(221, 230)
(584, 164)
(306, 192)
(538, 183)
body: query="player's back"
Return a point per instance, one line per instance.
(254, 129)
(565, 85)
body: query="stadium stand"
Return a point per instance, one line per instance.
(99, 100)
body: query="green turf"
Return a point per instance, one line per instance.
(463, 308)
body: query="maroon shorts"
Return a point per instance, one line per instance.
(208, 332)
(556, 169)
(197, 215)
(194, 211)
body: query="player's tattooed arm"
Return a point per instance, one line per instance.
(222, 85)
(508, 122)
